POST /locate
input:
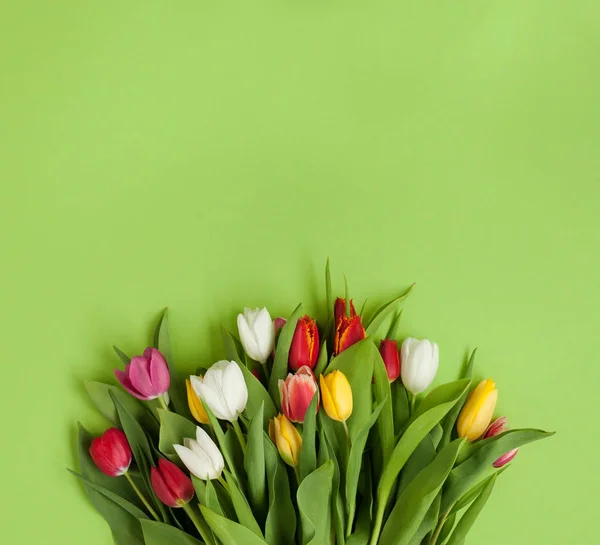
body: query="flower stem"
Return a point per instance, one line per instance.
(439, 526)
(161, 400)
(347, 433)
(202, 529)
(240, 435)
(413, 402)
(223, 483)
(141, 496)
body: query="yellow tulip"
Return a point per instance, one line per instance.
(196, 407)
(337, 396)
(286, 437)
(477, 413)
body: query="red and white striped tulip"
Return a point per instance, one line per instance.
(297, 392)
(498, 426)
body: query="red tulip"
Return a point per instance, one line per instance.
(172, 486)
(391, 357)
(305, 344)
(256, 374)
(340, 309)
(497, 427)
(111, 452)
(297, 392)
(349, 331)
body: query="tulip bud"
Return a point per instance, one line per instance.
(278, 324)
(297, 392)
(305, 344)
(389, 353)
(419, 364)
(111, 452)
(146, 377)
(172, 486)
(339, 309)
(498, 426)
(201, 456)
(223, 390)
(195, 405)
(286, 438)
(478, 410)
(349, 331)
(257, 333)
(337, 396)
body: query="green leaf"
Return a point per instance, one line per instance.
(422, 456)
(158, 533)
(322, 361)
(414, 502)
(481, 459)
(440, 395)
(124, 525)
(173, 429)
(314, 498)
(401, 406)
(357, 364)
(362, 530)
(254, 464)
(447, 395)
(446, 530)
(162, 341)
(241, 506)
(280, 365)
(200, 488)
(228, 531)
(383, 313)
(237, 455)
(308, 454)
(385, 423)
(211, 498)
(452, 416)
(469, 496)
(281, 517)
(122, 356)
(257, 397)
(468, 519)
(233, 348)
(354, 464)
(223, 442)
(436, 435)
(326, 453)
(328, 289)
(428, 523)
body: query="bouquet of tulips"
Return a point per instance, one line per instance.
(306, 433)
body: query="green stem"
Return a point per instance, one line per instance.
(240, 435)
(202, 530)
(347, 433)
(377, 527)
(223, 483)
(161, 400)
(141, 496)
(439, 526)
(413, 402)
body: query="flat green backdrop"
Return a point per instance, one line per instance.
(211, 155)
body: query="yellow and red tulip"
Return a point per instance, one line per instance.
(349, 331)
(305, 344)
(297, 392)
(339, 309)
(477, 412)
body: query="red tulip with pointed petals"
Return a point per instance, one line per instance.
(388, 349)
(348, 332)
(305, 344)
(340, 309)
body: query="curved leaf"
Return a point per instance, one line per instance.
(228, 531)
(157, 533)
(173, 429)
(385, 422)
(314, 498)
(383, 312)
(254, 464)
(242, 507)
(308, 454)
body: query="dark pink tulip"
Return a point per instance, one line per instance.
(497, 427)
(172, 486)
(146, 377)
(111, 452)
(297, 391)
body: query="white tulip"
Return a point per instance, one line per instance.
(419, 364)
(202, 457)
(257, 333)
(223, 389)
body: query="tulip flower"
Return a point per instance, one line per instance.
(305, 344)
(278, 324)
(339, 309)
(111, 452)
(349, 331)
(478, 410)
(223, 390)
(419, 364)
(337, 396)
(257, 333)
(297, 392)
(389, 353)
(146, 377)
(195, 405)
(172, 486)
(497, 427)
(201, 456)
(286, 438)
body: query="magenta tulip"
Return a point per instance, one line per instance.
(497, 427)
(146, 377)
(111, 452)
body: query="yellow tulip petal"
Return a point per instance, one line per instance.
(195, 405)
(328, 402)
(342, 395)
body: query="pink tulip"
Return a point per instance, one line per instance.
(297, 391)
(111, 452)
(146, 377)
(497, 427)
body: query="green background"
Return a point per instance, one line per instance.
(211, 155)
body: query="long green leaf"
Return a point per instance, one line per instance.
(414, 434)
(314, 498)
(254, 464)
(328, 290)
(479, 463)
(122, 356)
(354, 464)
(228, 531)
(428, 523)
(383, 313)
(401, 406)
(414, 502)
(308, 454)
(282, 352)
(173, 430)
(468, 519)
(281, 518)
(422, 456)
(223, 443)
(467, 498)
(322, 361)
(241, 506)
(158, 533)
(385, 423)
(257, 397)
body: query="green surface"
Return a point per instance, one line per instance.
(210, 155)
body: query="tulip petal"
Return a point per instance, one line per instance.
(161, 488)
(234, 388)
(159, 370)
(211, 399)
(210, 448)
(301, 392)
(139, 375)
(264, 334)
(248, 339)
(177, 481)
(123, 379)
(196, 466)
